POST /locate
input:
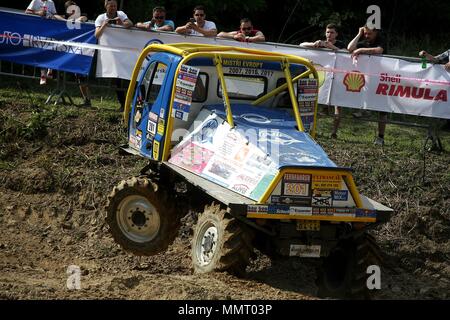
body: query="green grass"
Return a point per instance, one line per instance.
(29, 92)
(400, 138)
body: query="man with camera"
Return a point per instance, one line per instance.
(198, 25)
(111, 17)
(119, 18)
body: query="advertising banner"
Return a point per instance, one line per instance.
(27, 40)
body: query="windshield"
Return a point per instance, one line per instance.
(244, 87)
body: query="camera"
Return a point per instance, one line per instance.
(112, 21)
(192, 20)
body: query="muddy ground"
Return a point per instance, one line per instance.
(58, 166)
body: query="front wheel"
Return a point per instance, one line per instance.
(141, 217)
(343, 274)
(220, 243)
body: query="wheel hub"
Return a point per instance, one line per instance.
(208, 245)
(138, 219)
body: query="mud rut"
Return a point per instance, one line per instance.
(53, 189)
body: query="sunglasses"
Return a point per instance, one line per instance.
(199, 15)
(160, 17)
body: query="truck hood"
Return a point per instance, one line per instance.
(274, 132)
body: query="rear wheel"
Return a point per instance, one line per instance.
(141, 217)
(343, 274)
(220, 243)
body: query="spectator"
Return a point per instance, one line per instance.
(111, 17)
(158, 22)
(73, 12)
(198, 26)
(331, 42)
(371, 43)
(246, 33)
(443, 58)
(42, 8)
(114, 17)
(45, 9)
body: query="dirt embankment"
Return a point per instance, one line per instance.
(58, 166)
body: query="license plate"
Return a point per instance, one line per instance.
(307, 225)
(303, 251)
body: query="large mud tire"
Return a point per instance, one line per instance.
(142, 217)
(343, 274)
(220, 243)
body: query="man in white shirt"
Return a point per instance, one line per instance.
(112, 16)
(43, 8)
(199, 26)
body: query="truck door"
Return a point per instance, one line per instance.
(150, 107)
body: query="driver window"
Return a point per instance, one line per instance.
(152, 82)
(145, 84)
(157, 79)
(282, 100)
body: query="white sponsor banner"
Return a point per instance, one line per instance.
(392, 85)
(404, 88)
(121, 64)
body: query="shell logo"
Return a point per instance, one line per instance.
(354, 81)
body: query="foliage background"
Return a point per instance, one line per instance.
(408, 25)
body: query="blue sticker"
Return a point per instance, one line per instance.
(362, 213)
(340, 195)
(179, 115)
(278, 209)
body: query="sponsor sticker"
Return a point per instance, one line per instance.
(344, 212)
(179, 115)
(135, 142)
(293, 177)
(257, 210)
(322, 212)
(362, 213)
(291, 200)
(156, 145)
(151, 127)
(296, 189)
(327, 182)
(307, 90)
(340, 195)
(279, 209)
(322, 202)
(153, 116)
(300, 211)
(161, 126)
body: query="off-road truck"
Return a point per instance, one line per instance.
(229, 134)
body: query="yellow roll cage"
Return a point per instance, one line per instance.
(191, 51)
